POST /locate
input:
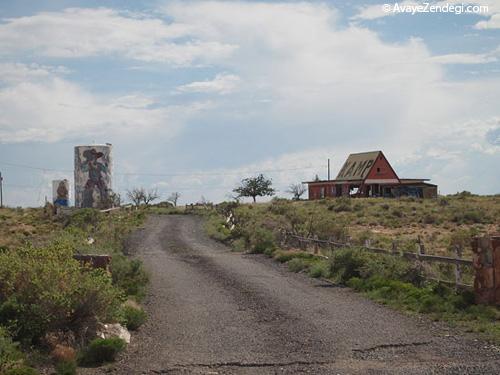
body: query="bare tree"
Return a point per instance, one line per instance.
(136, 195)
(150, 196)
(297, 190)
(174, 197)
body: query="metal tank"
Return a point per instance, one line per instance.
(60, 193)
(93, 176)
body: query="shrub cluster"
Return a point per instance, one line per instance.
(129, 275)
(101, 351)
(45, 289)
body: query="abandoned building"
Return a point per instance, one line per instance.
(369, 174)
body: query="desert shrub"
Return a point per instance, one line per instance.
(129, 275)
(45, 289)
(297, 265)
(430, 219)
(133, 317)
(285, 256)
(319, 269)
(66, 368)
(10, 355)
(239, 244)
(468, 216)
(347, 263)
(262, 239)
(21, 370)
(85, 218)
(397, 212)
(342, 204)
(101, 351)
(326, 226)
(216, 228)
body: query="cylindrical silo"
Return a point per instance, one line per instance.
(60, 193)
(93, 176)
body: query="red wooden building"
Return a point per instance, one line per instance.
(369, 174)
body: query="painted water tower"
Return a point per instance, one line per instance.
(93, 176)
(60, 193)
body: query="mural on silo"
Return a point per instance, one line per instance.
(60, 193)
(93, 165)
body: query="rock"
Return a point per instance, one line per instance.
(114, 330)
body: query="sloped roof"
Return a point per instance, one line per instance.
(357, 166)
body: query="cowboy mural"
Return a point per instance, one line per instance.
(96, 170)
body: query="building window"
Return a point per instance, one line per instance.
(378, 170)
(322, 192)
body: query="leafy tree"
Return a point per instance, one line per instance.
(174, 197)
(297, 190)
(255, 187)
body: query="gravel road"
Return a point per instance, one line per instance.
(213, 311)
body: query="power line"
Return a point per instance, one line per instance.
(179, 174)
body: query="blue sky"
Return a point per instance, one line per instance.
(195, 95)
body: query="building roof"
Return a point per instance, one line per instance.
(357, 166)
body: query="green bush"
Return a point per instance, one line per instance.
(21, 370)
(10, 355)
(45, 289)
(347, 263)
(319, 269)
(262, 239)
(285, 256)
(215, 226)
(129, 275)
(133, 317)
(297, 265)
(85, 218)
(101, 351)
(66, 368)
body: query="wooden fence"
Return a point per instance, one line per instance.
(306, 243)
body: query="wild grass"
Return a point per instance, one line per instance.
(441, 224)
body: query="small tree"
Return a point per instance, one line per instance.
(297, 190)
(173, 198)
(136, 196)
(255, 187)
(150, 196)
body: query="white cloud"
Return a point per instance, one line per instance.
(38, 105)
(77, 32)
(377, 11)
(221, 84)
(492, 23)
(464, 58)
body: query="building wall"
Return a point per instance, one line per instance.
(60, 193)
(93, 176)
(381, 170)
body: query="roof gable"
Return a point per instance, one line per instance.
(357, 166)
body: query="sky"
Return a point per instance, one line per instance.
(196, 95)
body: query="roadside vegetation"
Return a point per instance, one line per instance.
(406, 285)
(51, 305)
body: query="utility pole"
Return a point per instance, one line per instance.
(328, 169)
(1, 190)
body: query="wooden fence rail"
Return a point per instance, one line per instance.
(305, 242)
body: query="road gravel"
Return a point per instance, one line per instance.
(213, 311)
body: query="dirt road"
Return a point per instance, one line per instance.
(212, 311)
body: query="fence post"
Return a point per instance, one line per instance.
(394, 247)
(458, 268)
(315, 244)
(420, 246)
(368, 243)
(348, 241)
